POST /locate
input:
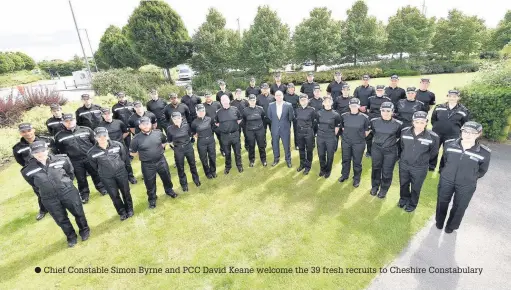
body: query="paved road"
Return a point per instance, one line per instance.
(483, 240)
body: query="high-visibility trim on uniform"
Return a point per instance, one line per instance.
(474, 155)
(33, 171)
(61, 162)
(116, 149)
(82, 134)
(462, 113)
(425, 140)
(23, 149)
(53, 123)
(97, 154)
(454, 150)
(67, 137)
(440, 109)
(120, 108)
(407, 137)
(89, 112)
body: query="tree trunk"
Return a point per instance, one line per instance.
(401, 56)
(355, 59)
(169, 76)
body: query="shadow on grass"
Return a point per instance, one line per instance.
(16, 224)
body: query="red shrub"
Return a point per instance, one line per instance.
(41, 95)
(11, 110)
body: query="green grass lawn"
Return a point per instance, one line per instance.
(263, 217)
(19, 78)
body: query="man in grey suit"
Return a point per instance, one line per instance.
(281, 115)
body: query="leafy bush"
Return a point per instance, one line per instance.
(64, 68)
(506, 51)
(489, 55)
(6, 64)
(165, 90)
(19, 64)
(34, 96)
(19, 78)
(27, 60)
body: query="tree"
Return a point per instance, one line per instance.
(409, 31)
(27, 60)
(502, 34)
(115, 50)
(215, 48)
(6, 64)
(19, 64)
(159, 35)
(265, 42)
(458, 33)
(360, 33)
(317, 38)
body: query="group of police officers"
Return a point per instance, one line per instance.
(388, 123)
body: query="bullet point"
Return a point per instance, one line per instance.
(37, 269)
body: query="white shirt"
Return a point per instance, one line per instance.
(279, 109)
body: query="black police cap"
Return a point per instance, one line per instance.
(137, 104)
(380, 87)
(85, 97)
(310, 74)
(425, 80)
(387, 105)
(68, 116)
(411, 89)
(455, 92)
(38, 146)
(238, 90)
(188, 87)
(472, 126)
(101, 131)
(207, 93)
(176, 115)
(354, 101)
(252, 79)
(55, 107)
(173, 95)
(304, 96)
(420, 115)
(366, 77)
(278, 75)
(346, 86)
(252, 97)
(120, 94)
(200, 108)
(338, 73)
(265, 86)
(105, 110)
(394, 77)
(221, 82)
(24, 126)
(290, 85)
(145, 119)
(317, 87)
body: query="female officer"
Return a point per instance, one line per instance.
(178, 136)
(328, 127)
(255, 132)
(465, 162)
(202, 129)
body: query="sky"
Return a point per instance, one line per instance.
(45, 29)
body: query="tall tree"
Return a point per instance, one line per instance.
(409, 31)
(19, 64)
(317, 38)
(27, 60)
(215, 48)
(159, 35)
(360, 34)
(265, 42)
(6, 64)
(502, 34)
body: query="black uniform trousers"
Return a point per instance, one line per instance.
(207, 154)
(352, 152)
(369, 142)
(149, 170)
(305, 139)
(219, 137)
(326, 151)
(411, 178)
(41, 205)
(67, 200)
(81, 168)
(434, 159)
(116, 183)
(256, 136)
(462, 195)
(383, 162)
(231, 140)
(180, 153)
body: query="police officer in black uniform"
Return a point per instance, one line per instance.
(211, 108)
(406, 107)
(228, 119)
(342, 103)
(118, 131)
(255, 132)
(252, 89)
(386, 132)
(21, 152)
(54, 124)
(175, 105)
(329, 122)
(264, 100)
(466, 160)
(52, 176)
(88, 115)
(316, 101)
(178, 136)
(122, 111)
(157, 106)
(363, 92)
(393, 92)
(334, 88)
(110, 159)
(426, 96)
(418, 145)
(202, 129)
(191, 100)
(306, 119)
(76, 141)
(134, 120)
(240, 104)
(374, 112)
(149, 145)
(294, 100)
(309, 86)
(278, 85)
(223, 91)
(355, 127)
(447, 120)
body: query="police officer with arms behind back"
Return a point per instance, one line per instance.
(305, 123)
(178, 136)
(202, 129)
(149, 145)
(426, 96)
(175, 105)
(418, 145)
(363, 92)
(393, 92)
(278, 85)
(54, 124)
(211, 106)
(254, 116)
(223, 91)
(228, 119)
(334, 88)
(294, 100)
(76, 141)
(355, 127)
(466, 160)
(89, 115)
(308, 86)
(252, 89)
(191, 100)
(21, 152)
(134, 120)
(407, 107)
(156, 105)
(52, 176)
(329, 123)
(447, 120)
(264, 100)
(110, 159)
(374, 112)
(386, 132)
(122, 111)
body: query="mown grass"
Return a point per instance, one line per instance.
(19, 78)
(259, 218)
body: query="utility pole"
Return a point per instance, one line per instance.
(424, 7)
(81, 43)
(92, 51)
(239, 29)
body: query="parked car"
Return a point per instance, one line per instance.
(185, 74)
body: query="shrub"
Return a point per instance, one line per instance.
(11, 110)
(489, 55)
(9, 137)
(6, 64)
(34, 96)
(19, 64)
(165, 90)
(27, 60)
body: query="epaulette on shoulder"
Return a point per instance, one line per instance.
(375, 119)
(433, 133)
(485, 148)
(406, 128)
(385, 96)
(344, 113)
(61, 155)
(364, 115)
(399, 122)
(420, 102)
(450, 140)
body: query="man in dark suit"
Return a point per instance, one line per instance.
(281, 115)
